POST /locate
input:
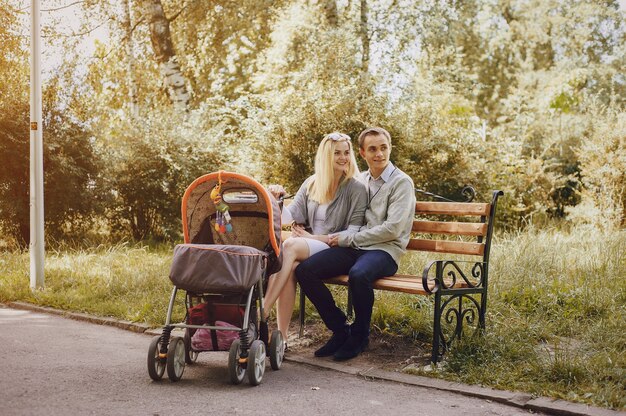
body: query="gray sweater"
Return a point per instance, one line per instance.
(389, 217)
(345, 213)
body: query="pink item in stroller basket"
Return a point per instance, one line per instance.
(202, 341)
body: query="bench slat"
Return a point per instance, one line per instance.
(415, 288)
(452, 208)
(452, 247)
(391, 283)
(442, 227)
(398, 283)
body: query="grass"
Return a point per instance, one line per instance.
(126, 282)
(555, 321)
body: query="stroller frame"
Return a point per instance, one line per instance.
(247, 353)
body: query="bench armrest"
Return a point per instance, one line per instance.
(450, 274)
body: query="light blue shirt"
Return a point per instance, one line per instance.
(374, 185)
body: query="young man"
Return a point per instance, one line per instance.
(372, 253)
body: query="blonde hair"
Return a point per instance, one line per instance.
(320, 188)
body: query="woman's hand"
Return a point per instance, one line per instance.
(298, 231)
(277, 191)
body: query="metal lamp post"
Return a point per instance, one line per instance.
(36, 154)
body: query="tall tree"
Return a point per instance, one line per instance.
(130, 58)
(173, 78)
(365, 40)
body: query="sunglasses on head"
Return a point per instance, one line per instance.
(336, 137)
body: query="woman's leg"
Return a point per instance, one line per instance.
(286, 302)
(294, 249)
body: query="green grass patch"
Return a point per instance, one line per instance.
(555, 319)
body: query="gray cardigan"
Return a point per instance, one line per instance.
(389, 218)
(345, 211)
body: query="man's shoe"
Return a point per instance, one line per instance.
(333, 344)
(353, 346)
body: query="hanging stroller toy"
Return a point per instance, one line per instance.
(223, 275)
(222, 217)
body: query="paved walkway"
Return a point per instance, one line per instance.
(57, 366)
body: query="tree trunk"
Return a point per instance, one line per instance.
(174, 80)
(365, 41)
(130, 58)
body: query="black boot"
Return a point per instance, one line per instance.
(333, 344)
(264, 333)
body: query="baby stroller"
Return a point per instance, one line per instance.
(232, 234)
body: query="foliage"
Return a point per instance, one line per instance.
(603, 168)
(320, 92)
(151, 156)
(219, 43)
(153, 166)
(71, 171)
(500, 94)
(13, 114)
(437, 144)
(70, 165)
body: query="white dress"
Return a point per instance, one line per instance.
(315, 246)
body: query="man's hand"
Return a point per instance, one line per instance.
(277, 191)
(333, 240)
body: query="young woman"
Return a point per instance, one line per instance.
(330, 201)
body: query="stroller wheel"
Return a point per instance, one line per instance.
(175, 359)
(235, 371)
(190, 356)
(277, 350)
(256, 362)
(156, 365)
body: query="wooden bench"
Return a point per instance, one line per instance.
(459, 286)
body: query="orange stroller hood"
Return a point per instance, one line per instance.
(255, 212)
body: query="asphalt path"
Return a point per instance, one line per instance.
(58, 366)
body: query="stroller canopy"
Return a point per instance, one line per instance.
(254, 212)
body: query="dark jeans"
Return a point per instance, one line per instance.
(363, 267)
